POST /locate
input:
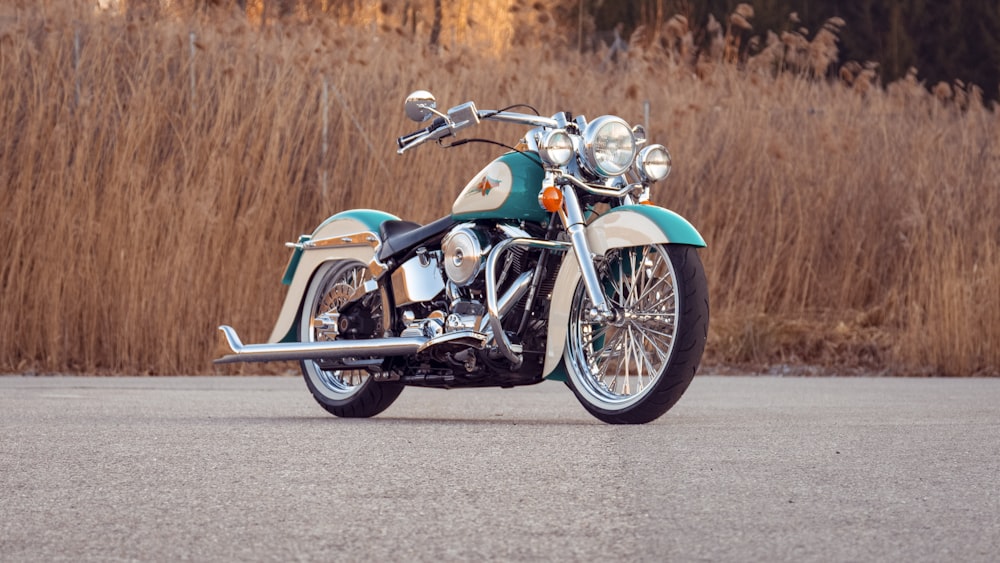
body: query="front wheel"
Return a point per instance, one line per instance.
(343, 392)
(633, 369)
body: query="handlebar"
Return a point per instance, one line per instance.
(461, 117)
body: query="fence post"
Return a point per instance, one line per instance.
(76, 65)
(191, 66)
(325, 98)
(645, 115)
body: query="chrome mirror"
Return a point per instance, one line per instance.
(420, 106)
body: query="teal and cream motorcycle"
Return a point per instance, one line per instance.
(552, 264)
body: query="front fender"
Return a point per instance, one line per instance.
(358, 225)
(629, 225)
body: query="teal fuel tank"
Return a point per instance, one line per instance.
(506, 189)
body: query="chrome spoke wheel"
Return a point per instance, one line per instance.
(343, 392)
(614, 367)
(620, 362)
(322, 325)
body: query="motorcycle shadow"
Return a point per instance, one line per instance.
(411, 420)
(486, 421)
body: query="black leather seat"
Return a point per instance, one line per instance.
(400, 237)
(389, 229)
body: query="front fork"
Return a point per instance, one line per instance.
(572, 218)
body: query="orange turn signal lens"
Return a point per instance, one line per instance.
(551, 199)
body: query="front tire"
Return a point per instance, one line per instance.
(635, 368)
(351, 393)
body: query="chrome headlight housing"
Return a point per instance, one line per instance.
(556, 147)
(608, 146)
(653, 163)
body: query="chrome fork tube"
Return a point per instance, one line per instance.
(572, 218)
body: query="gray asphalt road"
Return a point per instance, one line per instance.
(743, 469)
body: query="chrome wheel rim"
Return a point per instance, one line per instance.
(614, 365)
(334, 291)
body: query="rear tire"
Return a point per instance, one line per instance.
(634, 369)
(350, 393)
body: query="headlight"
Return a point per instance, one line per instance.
(653, 163)
(556, 147)
(609, 146)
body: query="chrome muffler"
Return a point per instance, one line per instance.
(332, 350)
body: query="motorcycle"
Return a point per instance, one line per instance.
(552, 265)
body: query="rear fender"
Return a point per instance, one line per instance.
(629, 225)
(349, 235)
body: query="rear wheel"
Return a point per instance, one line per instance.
(343, 392)
(633, 369)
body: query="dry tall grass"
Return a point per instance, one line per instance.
(147, 189)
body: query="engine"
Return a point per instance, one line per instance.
(445, 290)
(456, 275)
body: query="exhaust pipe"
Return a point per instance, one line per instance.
(316, 350)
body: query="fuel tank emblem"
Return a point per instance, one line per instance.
(488, 184)
(487, 191)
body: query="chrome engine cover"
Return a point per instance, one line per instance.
(417, 280)
(464, 250)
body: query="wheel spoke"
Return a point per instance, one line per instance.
(657, 282)
(610, 356)
(652, 301)
(633, 278)
(624, 369)
(595, 334)
(654, 315)
(616, 282)
(603, 363)
(646, 350)
(661, 348)
(635, 357)
(652, 331)
(660, 352)
(615, 341)
(653, 366)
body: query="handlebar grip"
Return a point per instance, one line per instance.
(406, 139)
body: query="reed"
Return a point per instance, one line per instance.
(152, 169)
